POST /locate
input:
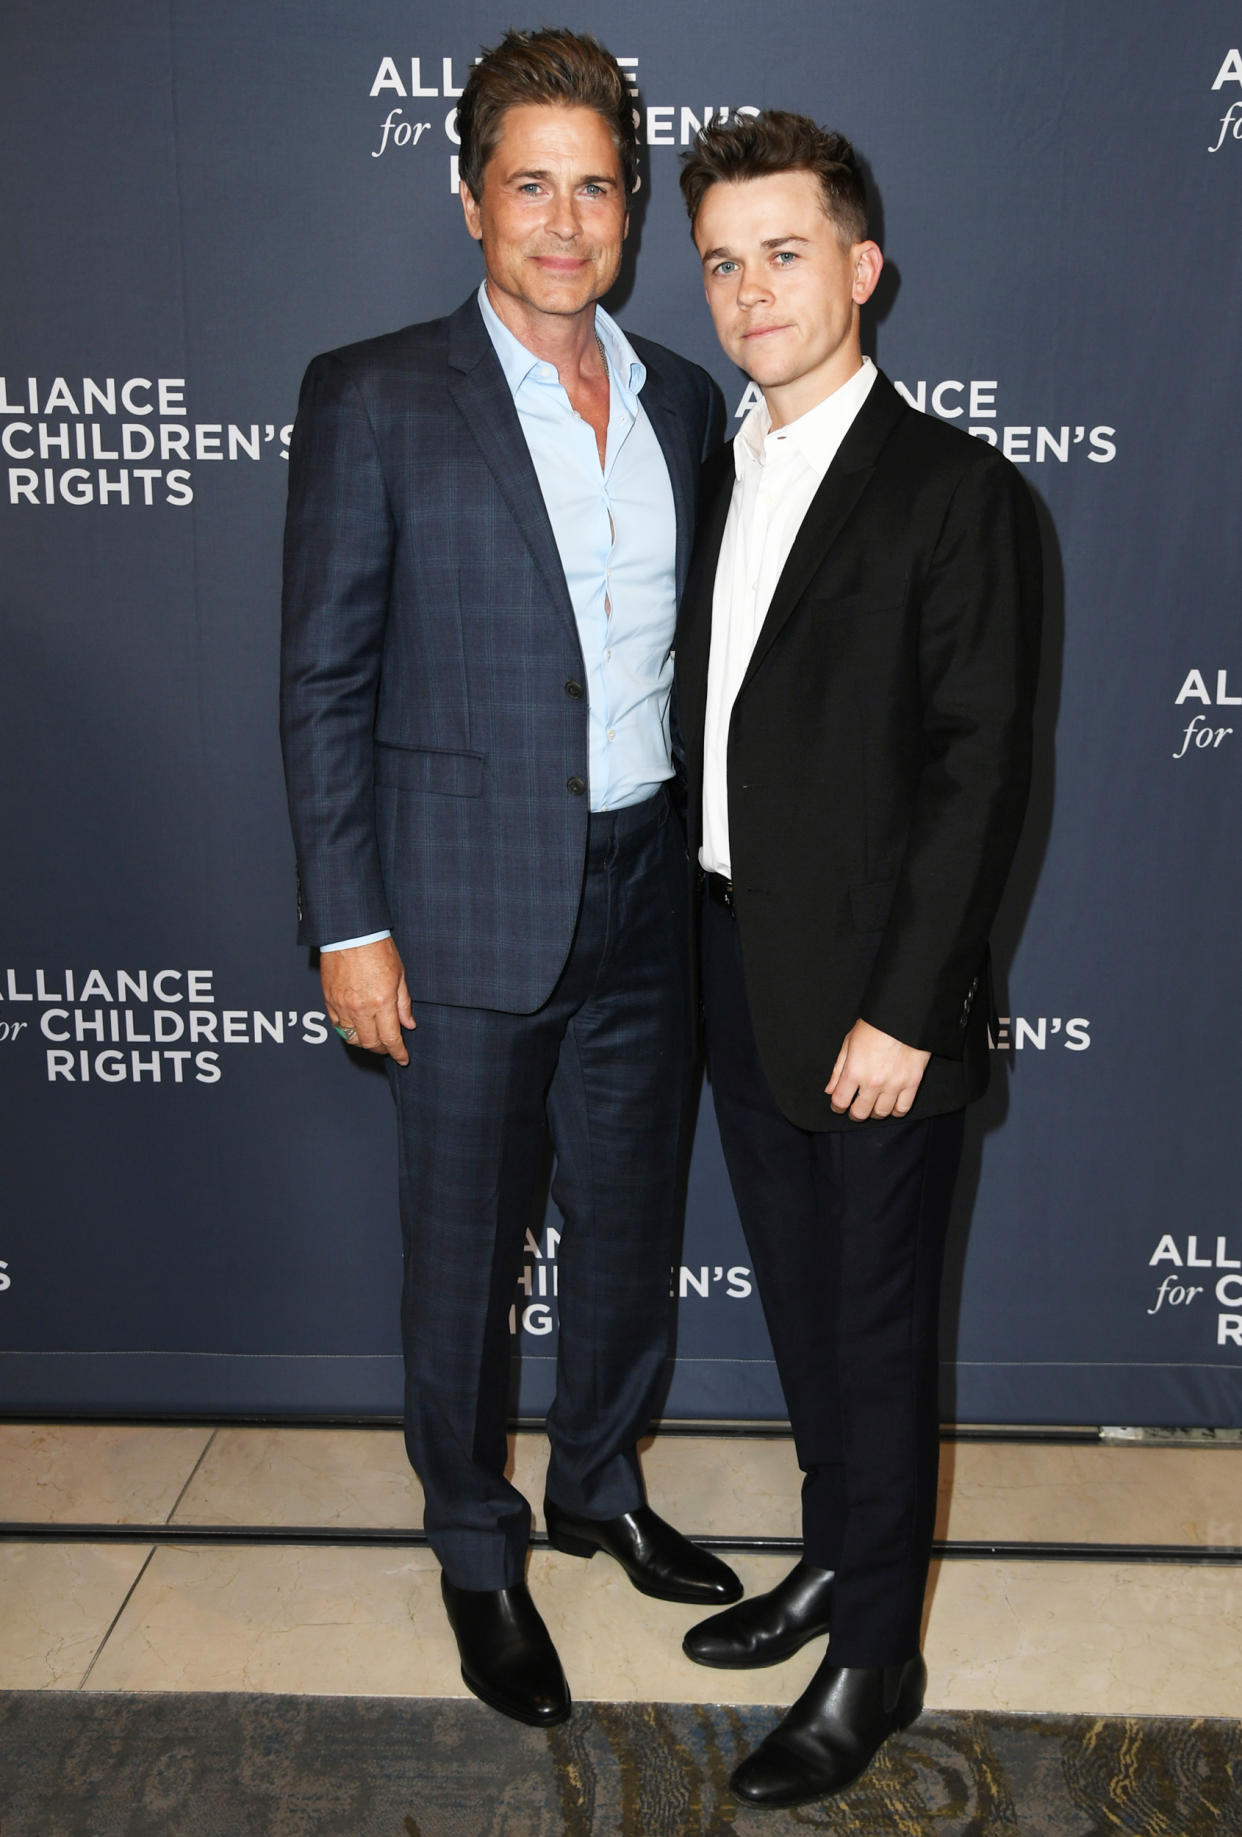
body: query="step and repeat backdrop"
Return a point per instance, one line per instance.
(197, 1190)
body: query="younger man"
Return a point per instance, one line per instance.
(856, 665)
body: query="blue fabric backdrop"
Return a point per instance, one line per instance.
(197, 1197)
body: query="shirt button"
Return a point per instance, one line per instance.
(573, 689)
(576, 785)
(607, 656)
(612, 733)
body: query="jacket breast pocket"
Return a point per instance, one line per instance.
(856, 605)
(429, 768)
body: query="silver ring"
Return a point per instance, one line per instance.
(347, 1033)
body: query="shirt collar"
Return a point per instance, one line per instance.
(814, 436)
(624, 364)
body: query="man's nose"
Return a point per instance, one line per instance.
(564, 219)
(753, 289)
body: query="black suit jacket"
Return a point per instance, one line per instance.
(879, 750)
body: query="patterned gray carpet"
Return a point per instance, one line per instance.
(80, 1764)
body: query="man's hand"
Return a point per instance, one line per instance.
(875, 1075)
(364, 988)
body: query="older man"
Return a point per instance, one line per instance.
(490, 517)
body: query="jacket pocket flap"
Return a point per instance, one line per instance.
(428, 768)
(869, 905)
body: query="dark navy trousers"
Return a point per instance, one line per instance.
(600, 1070)
(846, 1232)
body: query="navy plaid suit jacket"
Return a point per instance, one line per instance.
(428, 637)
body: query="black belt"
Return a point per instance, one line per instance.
(720, 890)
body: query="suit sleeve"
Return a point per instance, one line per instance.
(339, 540)
(978, 649)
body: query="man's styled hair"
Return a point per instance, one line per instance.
(553, 65)
(756, 146)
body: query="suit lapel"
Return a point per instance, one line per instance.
(843, 484)
(694, 628)
(477, 385)
(670, 430)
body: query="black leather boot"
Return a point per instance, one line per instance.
(767, 1628)
(832, 1732)
(507, 1656)
(658, 1560)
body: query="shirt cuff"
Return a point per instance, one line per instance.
(372, 937)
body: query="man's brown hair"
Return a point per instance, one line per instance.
(756, 146)
(553, 65)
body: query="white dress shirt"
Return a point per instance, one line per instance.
(777, 473)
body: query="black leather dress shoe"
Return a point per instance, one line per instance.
(832, 1732)
(767, 1628)
(658, 1560)
(507, 1656)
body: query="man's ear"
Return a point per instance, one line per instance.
(867, 263)
(470, 208)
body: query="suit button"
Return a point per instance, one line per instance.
(576, 785)
(573, 689)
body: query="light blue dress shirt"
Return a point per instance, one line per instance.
(616, 531)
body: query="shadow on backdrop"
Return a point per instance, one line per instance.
(986, 1116)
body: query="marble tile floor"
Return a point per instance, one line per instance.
(1007, 1491)
(1092, 1637)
